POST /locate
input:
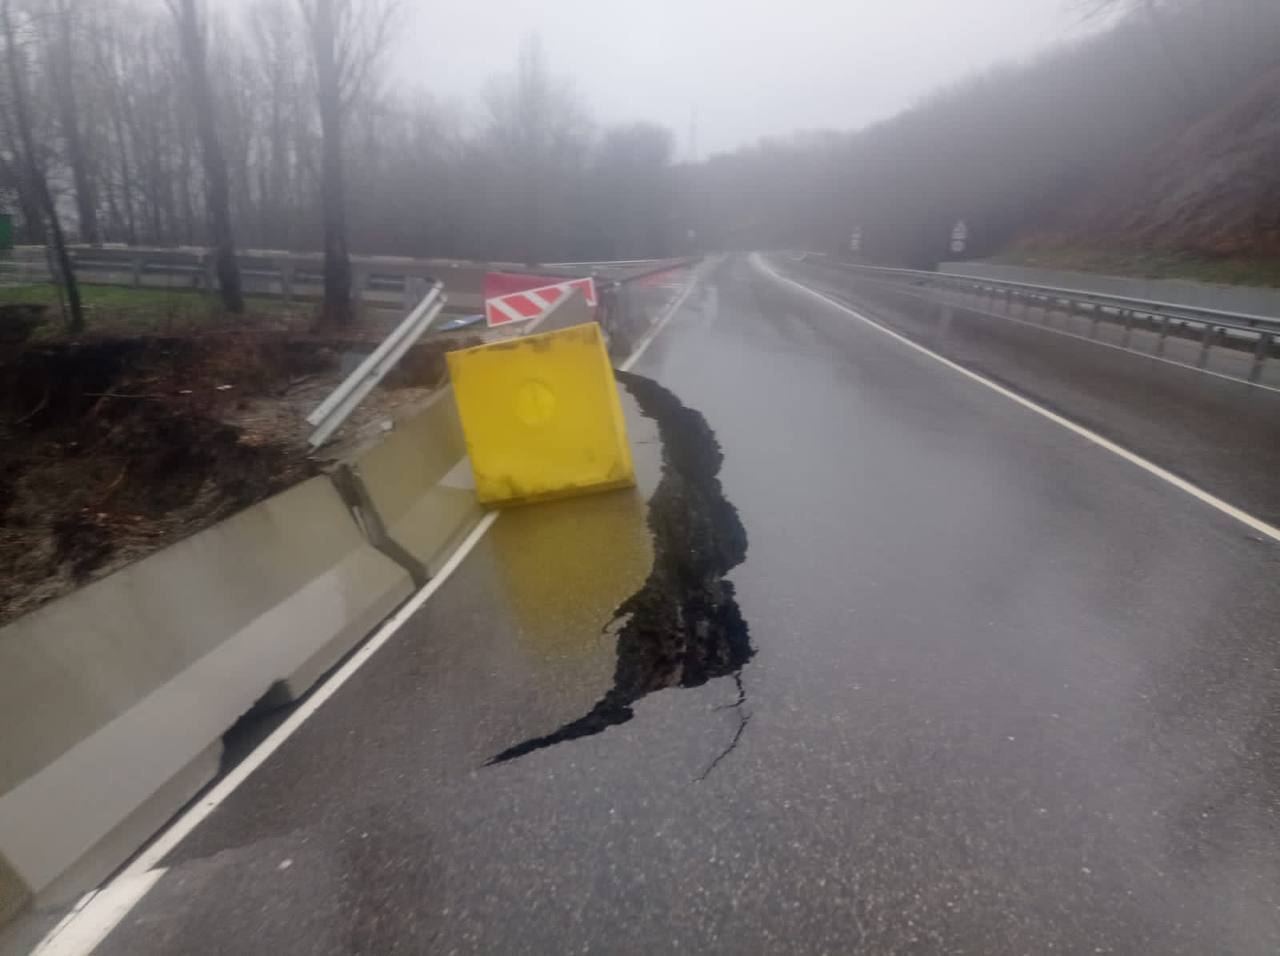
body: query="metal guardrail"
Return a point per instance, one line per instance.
(617, 311)
(287, 275)
(384, 281)
(1215, 325)
(329, 415)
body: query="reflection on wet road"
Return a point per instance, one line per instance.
(1006, 694)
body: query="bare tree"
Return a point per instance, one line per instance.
(278, 53)
(61, 55)
(110, 76)
(539, 134)
(30, 156)
(191, 38)
(348, 39)
(631, 201)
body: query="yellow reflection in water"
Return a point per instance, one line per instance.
(568, 564)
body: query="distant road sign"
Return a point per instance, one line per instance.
(959, 233)
(855, 239)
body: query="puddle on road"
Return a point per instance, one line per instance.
(683, 627)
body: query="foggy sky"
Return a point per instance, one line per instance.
(749, 68)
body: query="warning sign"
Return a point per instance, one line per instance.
(530, 304)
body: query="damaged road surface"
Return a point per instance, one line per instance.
(683, 627)
(1003, 692)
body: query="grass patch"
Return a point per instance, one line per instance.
(1150, 265)
(130, 310)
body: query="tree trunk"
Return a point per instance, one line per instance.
(215, 167)
(69, 119)
(337, 264)
(117, 98)
(67, 275)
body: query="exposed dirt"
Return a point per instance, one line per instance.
(1212, 190)
(19, 319)
(115, 447)
(683, 627)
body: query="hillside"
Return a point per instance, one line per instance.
(1206, 197)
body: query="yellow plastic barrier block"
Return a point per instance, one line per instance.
(541, 416)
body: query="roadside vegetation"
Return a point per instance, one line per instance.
(1149, 264)
(126, 310)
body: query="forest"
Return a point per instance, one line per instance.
(291, 135)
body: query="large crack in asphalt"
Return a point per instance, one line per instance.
(683, 627)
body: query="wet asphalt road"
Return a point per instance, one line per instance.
(1009, 694)
(1220, 433)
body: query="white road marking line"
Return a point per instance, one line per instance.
(1181, 484)
(100, 911)
(90, 924)
(97, 915)
(160, 848)
(661, 324)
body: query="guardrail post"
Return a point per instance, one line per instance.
(359, 279)
(625, 304)
(945, 314)
(1094, 318)
(286, 279)
(1127, 315)
(604, 311)
(1260, 353)
(1206, 343)
(1164, 335)
(210, 275)
(415, 289)
(136, 264)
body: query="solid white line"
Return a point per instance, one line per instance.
(96, 916)
(160, 848)
(1181, 484)
(100, 911)
(661, 324)
(90, 923)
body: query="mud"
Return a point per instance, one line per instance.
(683, 627)
(116, 447)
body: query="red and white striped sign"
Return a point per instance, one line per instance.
(534, 303)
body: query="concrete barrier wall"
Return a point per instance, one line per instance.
(114, 699)
(1245, 299)
(417, 480)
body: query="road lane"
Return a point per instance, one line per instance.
(1219, 433)
(1008, 694)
